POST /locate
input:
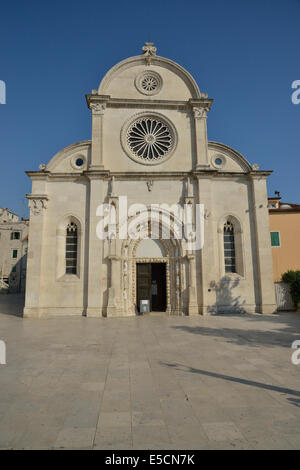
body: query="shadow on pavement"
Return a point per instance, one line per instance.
(284, 329)
(274, 388)
(12, 304)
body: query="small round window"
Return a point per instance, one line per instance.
(79, 162)
(218, 161)
(148, 82)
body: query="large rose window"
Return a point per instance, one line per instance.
(150, 139)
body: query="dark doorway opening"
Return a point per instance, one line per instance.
(151, 285)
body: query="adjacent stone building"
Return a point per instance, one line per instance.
(13, 251)
(149, 144)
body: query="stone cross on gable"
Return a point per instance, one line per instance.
(149, 50)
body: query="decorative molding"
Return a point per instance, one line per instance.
(97, 108)
(201, 112)
(175, 273)
(37, 203)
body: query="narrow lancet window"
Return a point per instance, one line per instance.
(71, 248)
(229, 248)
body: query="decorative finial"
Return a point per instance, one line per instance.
(149, 51)
(255, 167)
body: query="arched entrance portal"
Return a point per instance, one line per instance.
(151, 276)
(152, 270)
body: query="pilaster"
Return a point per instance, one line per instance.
(200, 108)
(34, 274)
(263, 245)
(93, 283)
(97, 105)
(206, 256)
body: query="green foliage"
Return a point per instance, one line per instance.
(290, 276)
(295, 291)
(293, 279)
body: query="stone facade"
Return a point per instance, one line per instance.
(149, 143)
(13, 251)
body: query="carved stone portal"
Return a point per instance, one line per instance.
(175, 274)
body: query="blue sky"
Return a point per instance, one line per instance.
(244, 54)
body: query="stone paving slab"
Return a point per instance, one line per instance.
(153, 382)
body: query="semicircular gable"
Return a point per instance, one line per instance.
(176, 83)
(66, 159)
(229, 158)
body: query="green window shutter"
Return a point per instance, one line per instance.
(11, 235)
(275, 239)
(15, 253)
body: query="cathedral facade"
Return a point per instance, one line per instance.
(149, 151)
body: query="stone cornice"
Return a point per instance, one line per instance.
(96, 174)
(105, 174)
(146, 102)
(37, 196)
(258, 174)
(200, 106)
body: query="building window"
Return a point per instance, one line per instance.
(15, 236)
(15, 253)
(149, 139)
(275, 239)
(71, 248)
(229, 248)
(14, 269)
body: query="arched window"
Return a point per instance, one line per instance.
(229, 248)
(71, 248)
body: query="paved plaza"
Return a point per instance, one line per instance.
(149, 382)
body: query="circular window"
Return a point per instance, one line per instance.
(79, 162)
(149, 139)
(218, 161)
(148, 82)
